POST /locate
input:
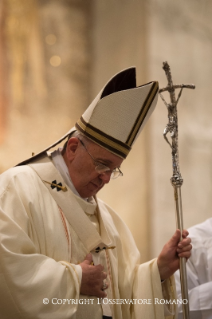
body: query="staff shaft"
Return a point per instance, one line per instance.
(183, 274)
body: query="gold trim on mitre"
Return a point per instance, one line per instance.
(113, 145)
(143, 112)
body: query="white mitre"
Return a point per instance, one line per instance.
(117, 115)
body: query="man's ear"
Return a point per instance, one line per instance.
(71, 148)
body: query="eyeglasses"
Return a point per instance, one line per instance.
(101, 168)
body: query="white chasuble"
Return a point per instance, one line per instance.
(45, 233)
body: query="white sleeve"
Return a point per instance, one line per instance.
(199, 273)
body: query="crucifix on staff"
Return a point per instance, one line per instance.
(176, 179)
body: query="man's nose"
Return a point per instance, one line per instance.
(105, 177)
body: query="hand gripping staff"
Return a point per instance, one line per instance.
(176, 179)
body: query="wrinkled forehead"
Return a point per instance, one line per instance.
(101, 153)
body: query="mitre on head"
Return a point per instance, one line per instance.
(119, 112)
(117, 115)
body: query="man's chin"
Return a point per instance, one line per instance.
(93, 192)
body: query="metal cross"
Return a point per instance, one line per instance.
(172, 126)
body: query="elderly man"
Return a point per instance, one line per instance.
(66, 254)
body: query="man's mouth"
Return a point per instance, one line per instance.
(97, 185)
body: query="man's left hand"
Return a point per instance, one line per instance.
(168, 260)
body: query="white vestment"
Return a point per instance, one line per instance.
(199, 271)
(45, 233)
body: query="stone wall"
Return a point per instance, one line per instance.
(47, 46)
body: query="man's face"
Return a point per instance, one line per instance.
(85, 178)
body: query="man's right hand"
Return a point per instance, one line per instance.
(92, 279)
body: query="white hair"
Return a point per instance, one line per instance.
(79, 135)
